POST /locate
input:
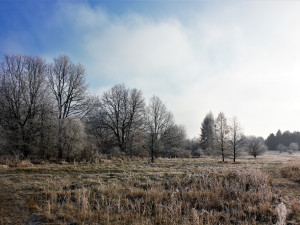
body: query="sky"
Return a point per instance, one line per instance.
(238, 57)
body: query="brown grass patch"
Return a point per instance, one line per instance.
(204, 197)
(169, 191)
(291, 171)
(14, 162)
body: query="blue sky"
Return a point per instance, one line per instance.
(239, 57)
(36, 26)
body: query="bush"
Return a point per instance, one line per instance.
(116, 153)
(177, 153)
(73, 138)
(197, 153)
(141, 152)
(290, 151)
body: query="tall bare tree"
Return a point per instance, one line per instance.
(158, 121)
(121, 111)
(67, 83)
(236, 137)
(22, 97)
(221, 134)
(69, 90)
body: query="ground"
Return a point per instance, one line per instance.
(135, 191)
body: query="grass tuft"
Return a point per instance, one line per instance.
(291, 171)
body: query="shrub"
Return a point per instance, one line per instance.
(197, 153)
(290, 151)
(177, 153)
(116, 153)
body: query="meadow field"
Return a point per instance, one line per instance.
(265, 190)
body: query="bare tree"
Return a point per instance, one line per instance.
(255, 146)
(67, 84)
(236, 137)
(173, 138)
(22, 97)
(221, 135)
(97, 128)
(158, 121)
(121, 111)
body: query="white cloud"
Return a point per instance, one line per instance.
(241, 59)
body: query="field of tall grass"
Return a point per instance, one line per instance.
(169, 191)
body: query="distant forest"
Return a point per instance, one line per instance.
(280, 141)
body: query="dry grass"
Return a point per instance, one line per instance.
(204, 197)
(291, 171)
(14, 162)
(170, 191)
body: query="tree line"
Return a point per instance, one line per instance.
(46, 112)
(286, 141)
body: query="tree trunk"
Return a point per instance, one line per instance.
(60, 148)
(223, 156)
(152, 150)
(152, 157)
(234, 155)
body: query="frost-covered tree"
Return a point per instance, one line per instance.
(73, 138)
(236, 137)
(122, 114)
(157, 121)
(294, 147)
(281, 148)
(23, 101)
(255, 146)
(221, 135)
(69, 91)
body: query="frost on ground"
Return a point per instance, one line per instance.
(170, 191)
